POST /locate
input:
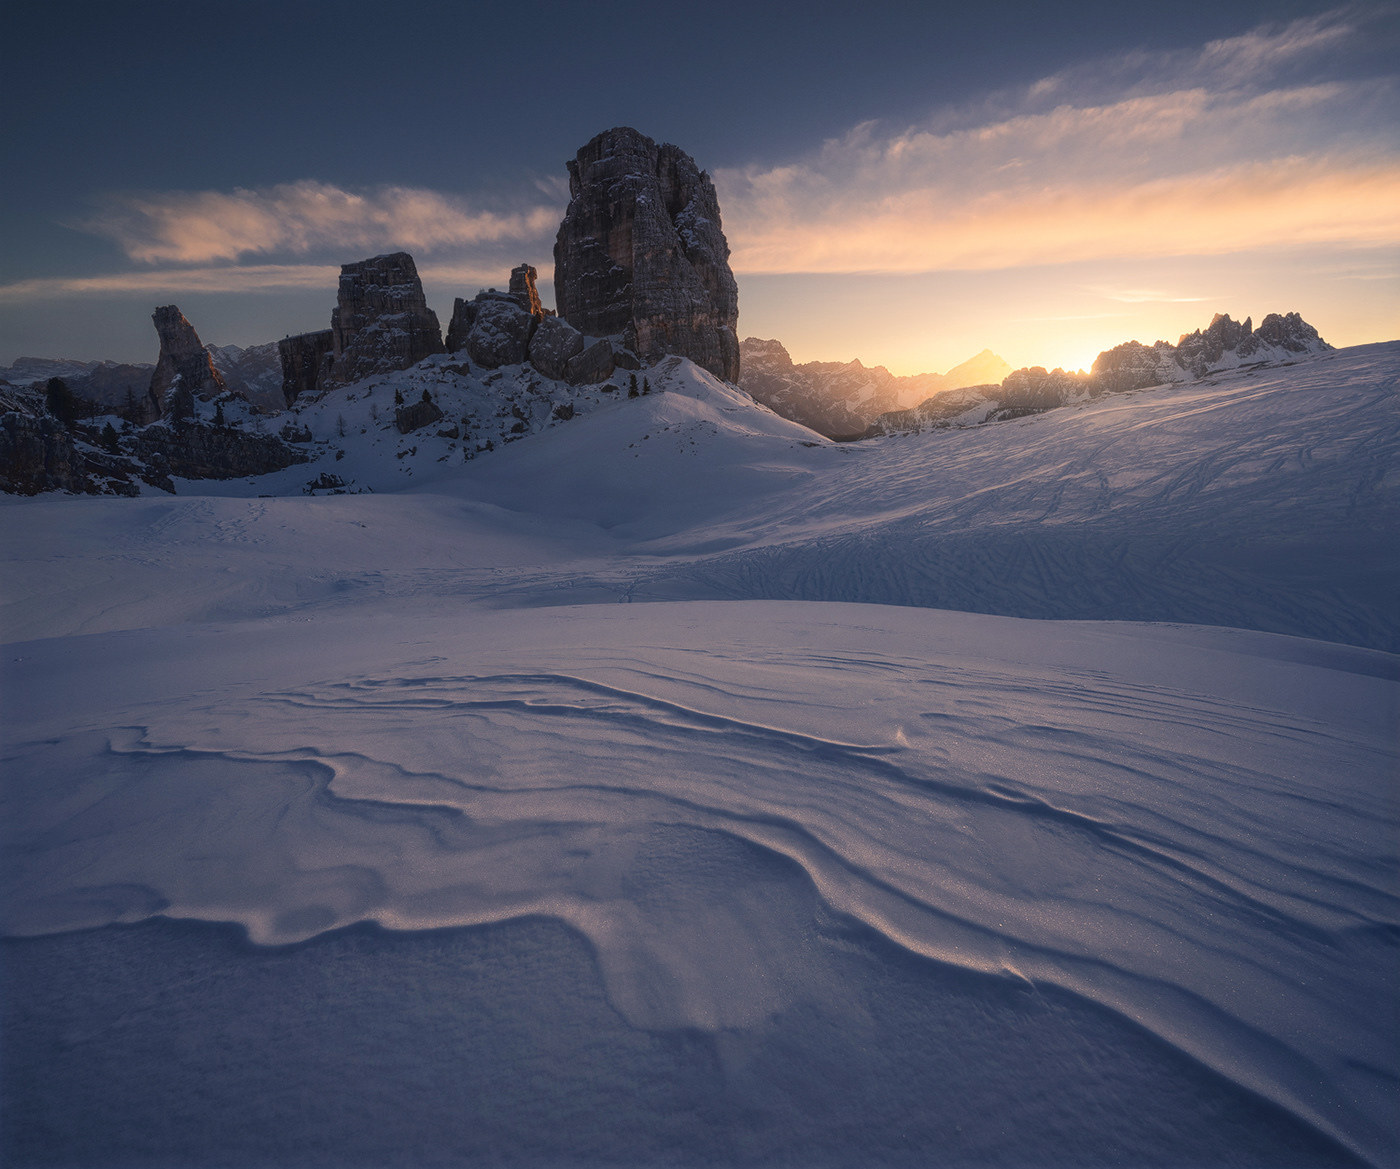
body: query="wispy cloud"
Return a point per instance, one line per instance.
(202, 227)
(1147, 155)
(236, 278)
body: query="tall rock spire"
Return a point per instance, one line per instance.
(641, 252)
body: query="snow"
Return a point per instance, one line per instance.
(1016, 794)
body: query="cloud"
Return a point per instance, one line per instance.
(249, 278)
(1182, 153)
(238, 279)
(203, 227)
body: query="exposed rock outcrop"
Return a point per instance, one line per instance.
(181, 356)
(306, 360)
(381, 321)
(641, 253)
(416, 415)
(210, 452)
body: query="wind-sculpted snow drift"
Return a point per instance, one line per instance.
(855, 883)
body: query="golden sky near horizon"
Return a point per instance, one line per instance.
(1127, 199)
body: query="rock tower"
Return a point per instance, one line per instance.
(641, 253)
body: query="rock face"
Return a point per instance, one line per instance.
(306, 361)
(181, 356)
(641, 253)
(381, 321)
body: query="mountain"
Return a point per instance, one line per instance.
(1222, 346)
(843, 398)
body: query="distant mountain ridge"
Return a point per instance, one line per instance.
(843, 398)
(1222, 345)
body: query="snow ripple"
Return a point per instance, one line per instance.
(1216, 871)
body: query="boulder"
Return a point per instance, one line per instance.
(500, 332)
(554, 343)
(416, 415)
(381, 321)
(592, 365)
(182, 356)
(641, 253)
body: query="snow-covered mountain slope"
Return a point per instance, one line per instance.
(528, 875)
(1262, 499)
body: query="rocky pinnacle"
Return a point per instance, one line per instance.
(641, 253)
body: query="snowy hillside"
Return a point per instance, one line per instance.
(349, 819)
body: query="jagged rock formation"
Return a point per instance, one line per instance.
(522, 287)
(181, 356)
(306, 361)
(1223, 345)
(381, 321)
(641, 253)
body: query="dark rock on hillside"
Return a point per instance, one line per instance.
(381, 321)
(212, 452)
(306, 360)
(181, 356)
(554, 343)
(641, 253)
(592, 365)
(416, 415)
(37, 454)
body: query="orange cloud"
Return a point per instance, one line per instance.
(1255, 205)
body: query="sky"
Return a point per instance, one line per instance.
(906, 184)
